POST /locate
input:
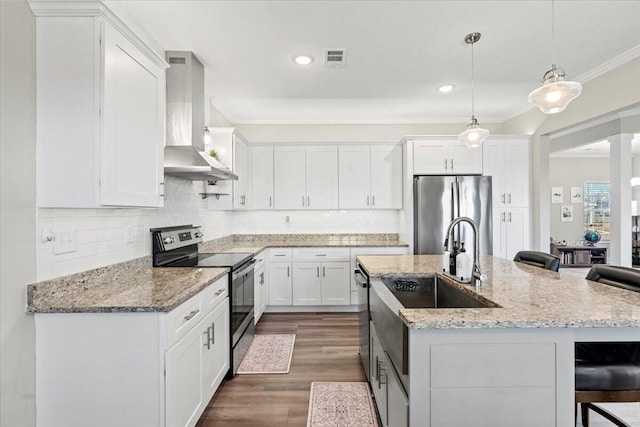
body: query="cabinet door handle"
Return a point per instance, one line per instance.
(213, 333)
(323, 271)
(318, 271)
(308, 201)
(191, 315)
(451, 165)
(445, 165)
(377, 370)
(509, 198)
(509, 216)
(261, 278)
(383, 374)
(367, 200)
(303, 201)
(161, 185)
(373, 200)
(269, 201)
(208, 342)
(503, 198)
(287, 271)
(504, 219)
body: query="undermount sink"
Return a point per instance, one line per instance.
(429, 292)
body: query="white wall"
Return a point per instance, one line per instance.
(567, 173)
(17, 212)
(101, 234)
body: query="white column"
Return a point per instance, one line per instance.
(541, 208)
(620, 166)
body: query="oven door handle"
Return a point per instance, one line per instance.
(246, 270)
(361, 278)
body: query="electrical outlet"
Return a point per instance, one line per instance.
(367, 221)
(129, 233)
(65, 242)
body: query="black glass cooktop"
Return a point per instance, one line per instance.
(230, 260)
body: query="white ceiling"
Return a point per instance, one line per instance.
(398, 53)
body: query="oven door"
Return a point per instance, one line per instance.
(241, 299)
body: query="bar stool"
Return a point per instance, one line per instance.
(538, 259)
(608, 371)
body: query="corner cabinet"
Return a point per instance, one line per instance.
(370, 176)
(100, 110)
(133, 369)
(445, 156)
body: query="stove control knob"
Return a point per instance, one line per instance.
(198, 235)
(168, 240)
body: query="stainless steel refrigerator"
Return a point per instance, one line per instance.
(440, 199)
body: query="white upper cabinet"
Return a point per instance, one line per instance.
(370, 176)
(233, 152)
(306, 177)
(100, 111)
(262, 177)
(445, 156)
(506, 160)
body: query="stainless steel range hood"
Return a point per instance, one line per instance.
(184, 154)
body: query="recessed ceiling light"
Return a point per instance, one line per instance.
(303, 59)
(446, 88)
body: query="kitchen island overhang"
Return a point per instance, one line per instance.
(512, 365)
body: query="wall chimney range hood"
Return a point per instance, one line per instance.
(184, 154)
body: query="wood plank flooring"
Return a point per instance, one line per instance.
(326, 349)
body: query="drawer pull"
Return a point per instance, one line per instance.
(321, 254)
(280, 255)
(191, 315)
(218, 292)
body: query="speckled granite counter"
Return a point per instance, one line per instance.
(255, 243)
(135, 286)
(529, 297)
(132, 286)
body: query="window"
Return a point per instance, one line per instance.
(597, 212)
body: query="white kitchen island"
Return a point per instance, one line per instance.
(505, 366)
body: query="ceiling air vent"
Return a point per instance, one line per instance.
(335, 58)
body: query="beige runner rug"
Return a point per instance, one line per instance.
(268, 354)
(341, 404)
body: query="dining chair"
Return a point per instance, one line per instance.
(608, 371)
(538, 259)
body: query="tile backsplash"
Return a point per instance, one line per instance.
(89, 238)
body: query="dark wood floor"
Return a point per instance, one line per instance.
(326, 349)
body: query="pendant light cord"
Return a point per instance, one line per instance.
(473, 84)
(553, 34)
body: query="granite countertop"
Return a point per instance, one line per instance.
(135, 286)
(255, 243)
(529, 297)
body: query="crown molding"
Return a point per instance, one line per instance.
(611, 64)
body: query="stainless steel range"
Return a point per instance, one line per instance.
(178, 247)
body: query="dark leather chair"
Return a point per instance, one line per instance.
(608, 372)
(538, 259)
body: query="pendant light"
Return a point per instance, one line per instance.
(556, 92)
(474, 135)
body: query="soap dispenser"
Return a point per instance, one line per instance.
(452, 259)
(463, 264)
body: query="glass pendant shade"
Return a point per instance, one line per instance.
(555, 93)
(474, 136)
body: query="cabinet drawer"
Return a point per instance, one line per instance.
(321, 254)
(214, 294)
(279, 255)
(183, 318)
(260, 258)
(492, 365)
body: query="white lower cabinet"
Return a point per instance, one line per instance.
(279, 278)
(133, 369)
(260, 287)
(321, 276)
(195, 367)
(307, 283)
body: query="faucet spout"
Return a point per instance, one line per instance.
(477, 274)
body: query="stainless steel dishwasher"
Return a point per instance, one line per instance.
(362, 281)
